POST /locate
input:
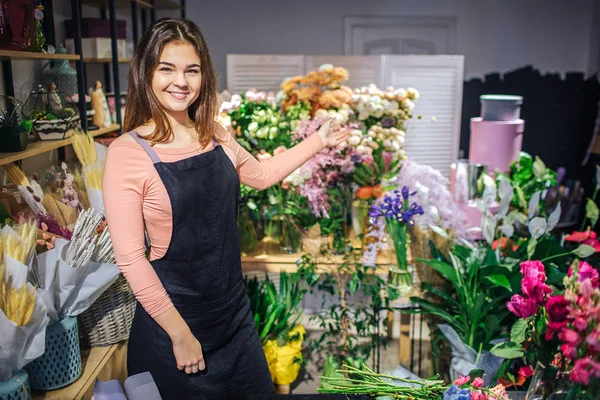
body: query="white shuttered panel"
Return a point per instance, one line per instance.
(262, 72)
(363, 70)
(439, 80)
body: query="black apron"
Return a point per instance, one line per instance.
(202, 273)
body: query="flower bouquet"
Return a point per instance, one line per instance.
(398, 213)
(23, 316)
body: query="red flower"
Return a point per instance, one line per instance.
(593, 340)
(526, 371)
(557, 308)
(569, 336)
(536, 289)
(583, 369)
(569, 351)
(580, 237)
(522, 307)
(588, 237)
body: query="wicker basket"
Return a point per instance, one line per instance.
(61, 362)
(16, 388)
(108, 320)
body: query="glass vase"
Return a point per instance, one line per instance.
(400, 275)
(360, 218)
(548, 383)
(289, 236)
(247, 233)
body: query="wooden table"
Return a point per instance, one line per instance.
(104, 363)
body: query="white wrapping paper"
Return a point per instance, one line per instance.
(19, 345)
(71, 291)
(464, 357)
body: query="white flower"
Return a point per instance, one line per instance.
(361, 149)
(378, 112)
(373, 145)
(272, 132)
(262, 132)
(326, 67)
(400, 94)
(280, 96)
(372, 133)
(236, 100)
(321, 114)
(413, 93)
(387, 143)
(252, 127)
(363, 115)
(225, 107)
(409, 104)
(390, 105)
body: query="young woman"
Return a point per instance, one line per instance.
(176, 175)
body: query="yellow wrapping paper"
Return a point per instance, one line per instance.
(284, 361)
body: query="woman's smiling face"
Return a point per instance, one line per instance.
(177, 78)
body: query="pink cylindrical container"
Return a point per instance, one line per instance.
(495, 143)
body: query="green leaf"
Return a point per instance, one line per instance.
(443, 268)
(531, 247)
(518, 331)
(476, 373)
(499, 280)
(591, 211)
(508, 350)
(539, 168)
(584, 251)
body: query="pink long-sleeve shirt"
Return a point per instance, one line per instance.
(135, 199)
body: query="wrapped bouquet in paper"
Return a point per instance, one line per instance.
(74, 273)
(285, 360)
(91, 155)
(23, 316)
(30, 191)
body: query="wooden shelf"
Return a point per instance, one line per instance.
(118, 3)
(259, 261)
(145, 4)
(43, 146)
(30, 55)
(104, 60)
(104, 363)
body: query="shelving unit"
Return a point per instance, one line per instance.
(105, 60)
(30, 55)
(43, 146)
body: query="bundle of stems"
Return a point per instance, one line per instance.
(17, 304)
(84, 147)
(16, 174)
(352, 380)
(17, 249)
(94, 177)
(86, 244)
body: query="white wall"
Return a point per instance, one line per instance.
(494, 35)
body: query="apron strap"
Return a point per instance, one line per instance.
(146, 146)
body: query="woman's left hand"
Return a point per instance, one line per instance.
(331, 134)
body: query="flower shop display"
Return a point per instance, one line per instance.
(277, 315)
(398, 213)
(14, 129)
(30, 191)
(23, 316)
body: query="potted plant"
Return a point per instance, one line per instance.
(14, 130)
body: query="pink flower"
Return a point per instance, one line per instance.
(569, 336)
(583, 369)
(585, 271)
(569, 351)
(477, 382)
(387, 159)
(536, 289)
(534, 269)
(500, 392)
(522, 307)
(580, 324)
(593, 339)
(368, 159)
(462, 380)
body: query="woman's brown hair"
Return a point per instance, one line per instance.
(143, 106)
